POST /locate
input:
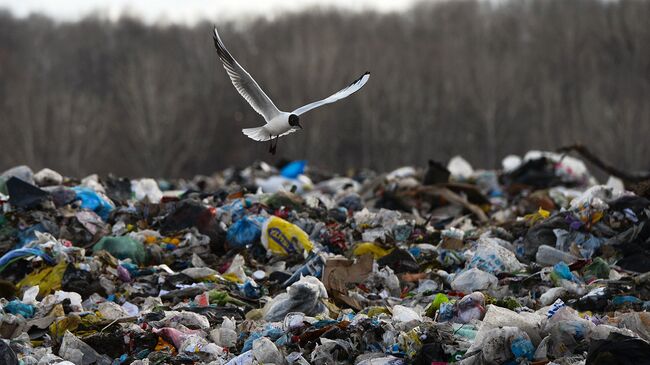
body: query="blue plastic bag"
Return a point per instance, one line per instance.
(236, 209)
(522, 348)
(250, 289)
(563, 271)
(625, 299)
(18, 307)
(273, 333)
(293, 169)
(245, 231)
(92, 201)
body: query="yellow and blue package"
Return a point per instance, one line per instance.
(284, 238)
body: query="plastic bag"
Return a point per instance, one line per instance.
(112, 311)
(566, 336)
(459, 168)
(17, 307)
(94, 201)
(123, 247)
(197, 273)
(500, 317)
(470, 307)
(15, 255)
(499, 345)
(551, 295)
(78, 352)
(639, 322)
(365, 248)
(405, 314)
(438, 300)
(245, 231)
(47, 177)
(473, 280)
(595, 198)
(7, 355)
(597, 269)
(494, 258)
(235, 272)
(226, 335)
(30, 294)
(266, 352)
(284, 238)
(562, 271)
(48, 279)
(293, 169)
(303, 296)
(188, 319)
(246, 358)
(146, 189)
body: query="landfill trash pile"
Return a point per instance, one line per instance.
(535, 263)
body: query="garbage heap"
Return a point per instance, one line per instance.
(535, 263)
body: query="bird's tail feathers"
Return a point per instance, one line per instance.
(257, 134)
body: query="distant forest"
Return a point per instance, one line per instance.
(474, 78)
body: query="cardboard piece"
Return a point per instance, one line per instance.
(341, 274)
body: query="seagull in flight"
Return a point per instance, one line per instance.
(278, 123)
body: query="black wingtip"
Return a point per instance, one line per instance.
(359, 79)
(221, 49)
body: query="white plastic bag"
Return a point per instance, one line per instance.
(473, 280)
(265, 352)
(146, 188)
(404, 314)
(500, 317)
(226, 335)
(490, 256)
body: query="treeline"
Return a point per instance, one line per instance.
(459, 77)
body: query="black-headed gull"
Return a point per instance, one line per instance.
(278, 123)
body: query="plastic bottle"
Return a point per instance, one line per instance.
(547, 255)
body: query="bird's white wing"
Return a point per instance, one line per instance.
(244, 83)
(288, 132)
(345, 92)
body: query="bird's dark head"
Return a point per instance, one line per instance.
(294, 121)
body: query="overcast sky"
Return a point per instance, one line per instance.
(185, 11)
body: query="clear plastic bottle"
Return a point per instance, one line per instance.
(547, 255)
